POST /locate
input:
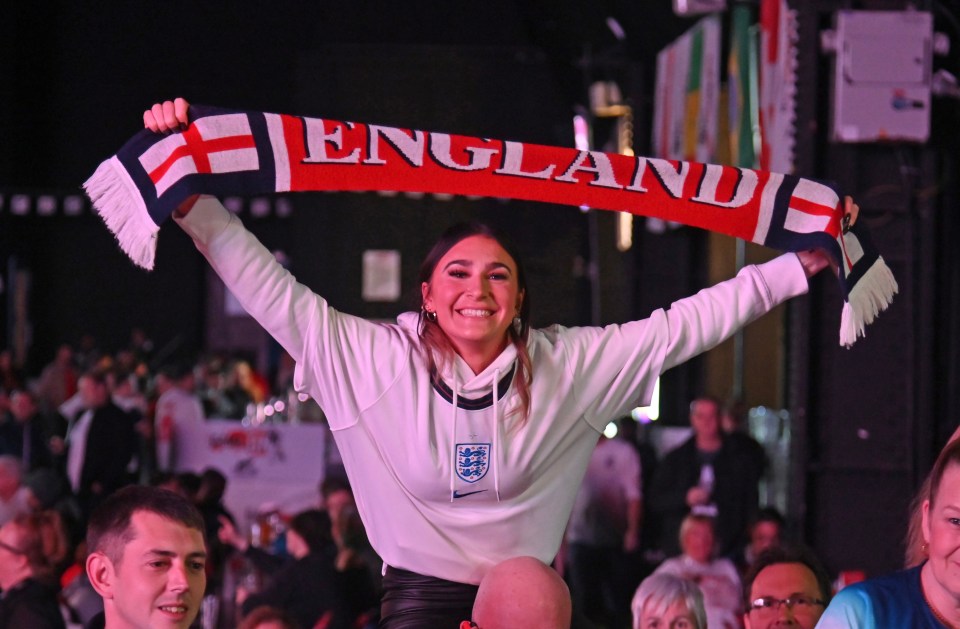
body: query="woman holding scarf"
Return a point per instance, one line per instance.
(466, 433)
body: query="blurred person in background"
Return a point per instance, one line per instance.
(708, 474)
(603, 535)
(266, 617)
(58, 380)
(309, 587)
(766, 531)
(177, 407)
(209, 502)
(25, 433)
(716, 577)
(31, 546)
(14, 497)
(666, 601)
(11, 377)
(100, 444)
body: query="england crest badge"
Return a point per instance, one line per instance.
(473, 461)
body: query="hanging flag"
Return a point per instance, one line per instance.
(744, 116)
(778, 85)
(687, 102)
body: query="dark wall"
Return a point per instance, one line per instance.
(873, 417)
(82, 78)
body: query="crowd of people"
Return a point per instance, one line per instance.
(685, 573)
(92, 423)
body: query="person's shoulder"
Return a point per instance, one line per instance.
(894, 583)
(684, 450)
(850, 608)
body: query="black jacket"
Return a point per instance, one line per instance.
(735, 492)
(31, 604)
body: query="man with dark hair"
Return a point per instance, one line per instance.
(147, 558)
(100, 444)
(708, 474)
(25, 433)
(786, 587)
(766, 531)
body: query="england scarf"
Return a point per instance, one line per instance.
(230, 152)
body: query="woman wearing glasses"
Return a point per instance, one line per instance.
(927, 595)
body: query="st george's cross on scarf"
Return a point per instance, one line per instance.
(231, 152)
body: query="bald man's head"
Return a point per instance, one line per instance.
(522, 592)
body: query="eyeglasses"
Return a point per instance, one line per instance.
(799, 603)
(11, 549)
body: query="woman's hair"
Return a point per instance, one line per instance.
(914, 553)
(41, 538)
(950, 455)
(433, 337)
(659, 591)
(314, 528)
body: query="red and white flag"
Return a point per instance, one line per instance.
(217, 144)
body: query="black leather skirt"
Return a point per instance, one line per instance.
(415, 601)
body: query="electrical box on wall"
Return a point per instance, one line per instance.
(695, 7)
(881, 75)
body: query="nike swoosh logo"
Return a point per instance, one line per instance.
(457, 494)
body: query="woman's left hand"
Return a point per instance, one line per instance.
(167, 116)
(815, 260)
(850, 212)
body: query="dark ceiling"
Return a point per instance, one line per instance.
(74, 75)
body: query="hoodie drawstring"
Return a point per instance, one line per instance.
(495, 455)
(453, 462)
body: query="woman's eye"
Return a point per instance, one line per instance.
(458, 273)
(954, 521)
(498, 276)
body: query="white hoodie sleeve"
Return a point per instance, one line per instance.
(263, 287)
(705, 320)
(330, 348)
(615, 367)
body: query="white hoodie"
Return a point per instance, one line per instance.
(450, 490)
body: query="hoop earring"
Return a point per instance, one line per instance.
(430, 315)
(517, 324)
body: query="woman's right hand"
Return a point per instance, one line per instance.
(167, 117)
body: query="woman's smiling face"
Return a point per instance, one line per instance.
(941, 528)
(475, 293)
